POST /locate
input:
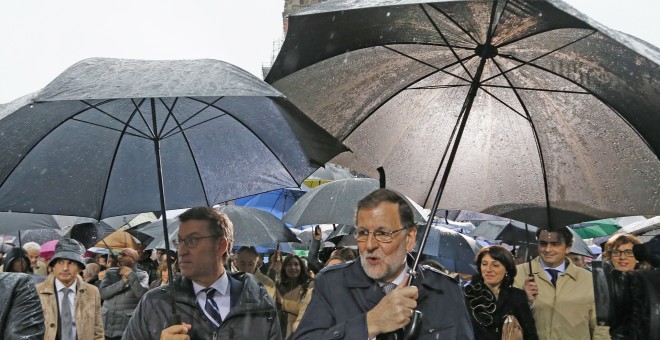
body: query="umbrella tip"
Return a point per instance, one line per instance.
(381, 176)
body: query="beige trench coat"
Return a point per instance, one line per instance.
(87, 309)
(567, 311)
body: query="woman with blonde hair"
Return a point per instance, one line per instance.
(619, 251)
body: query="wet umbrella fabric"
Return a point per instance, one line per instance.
(509, 232)
(597, 228)
(276, 202)
(12, 222)
(253, 226)
(455, 251)
(336, 203)
(96, 140)
(523, 90)
(110, 137)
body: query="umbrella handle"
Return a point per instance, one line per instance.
(410, 331)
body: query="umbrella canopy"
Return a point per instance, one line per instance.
(48, 249)
(328, 173)
(523, 109)
(455, 251)
(342, 234)
(596, 228)
(39, 236)
(110, 137)
(645, 230)
(253, 226)
(12, 222)
(509, 232)
(118, 239)
(336, 203)
(276, 202)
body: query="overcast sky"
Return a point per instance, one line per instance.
(41, 38)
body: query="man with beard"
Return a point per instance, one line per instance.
(370, 296)
(121, 290)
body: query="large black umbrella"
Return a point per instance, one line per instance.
(111, 137)
(509, 232)
(523, 109)
(335, 203)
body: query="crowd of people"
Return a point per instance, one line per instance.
(214, 293)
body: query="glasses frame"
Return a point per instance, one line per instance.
(387, 234)
(622, 253)
(190, 242)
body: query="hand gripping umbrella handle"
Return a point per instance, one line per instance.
(410, 332)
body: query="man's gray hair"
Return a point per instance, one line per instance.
(32, 246)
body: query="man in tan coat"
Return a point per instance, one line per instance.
(66, 296)
(246, 261)
(564, 307)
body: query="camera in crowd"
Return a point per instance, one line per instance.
(629, 303)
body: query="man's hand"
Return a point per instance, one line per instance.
(531, 289)
(176, 332)
(394, 311)
(318, 233)
(124, 271)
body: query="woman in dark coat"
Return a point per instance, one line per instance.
(490, 296)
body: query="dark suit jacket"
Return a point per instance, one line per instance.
(21, 316)
(343, 294)
(510, 301)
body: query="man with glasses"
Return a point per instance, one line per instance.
(370, 296)
(121, 290)
(212, 303)
(564, 306)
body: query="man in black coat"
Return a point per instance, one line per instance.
(212, 303)
(21, 316)
(349, 300)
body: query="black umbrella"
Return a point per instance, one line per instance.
(523, 109)
(110, 137)
(342, 235)
(455, 251)
(335, 203)
(89, 233)
(254, 226)
(509, 232)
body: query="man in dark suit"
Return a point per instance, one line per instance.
(350, 300)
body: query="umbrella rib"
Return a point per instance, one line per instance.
(531, 62)
(169, 110)
(114, 155)
(175, 132)
(443, 69)
(174, 129)
(539, 149)
(434, 6)
(279, 159)
(437, 87)
(192, 155)
(428, 16)
(535, 89)
(111, 128)
(503, 103)
(154, 133)
(96, 107)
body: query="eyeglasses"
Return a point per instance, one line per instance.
(190, 242)
(624, 253)
(382, 236)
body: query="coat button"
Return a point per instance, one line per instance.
(336, 334)
(52, 325)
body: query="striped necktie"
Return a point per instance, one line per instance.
(211, 307)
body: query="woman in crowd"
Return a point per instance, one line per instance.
(619, 250)
(163, 276)
(490, 296)
(294, 290)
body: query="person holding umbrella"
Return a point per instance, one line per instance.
(212, 303)
(371, 296)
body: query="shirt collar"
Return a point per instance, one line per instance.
(221, 285)
(399, 279)
(59, 285)
(561, 268)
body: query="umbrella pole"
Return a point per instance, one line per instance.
(527, 250)
(175, 318)
(412, 329)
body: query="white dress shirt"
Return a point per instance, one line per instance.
(221, 297)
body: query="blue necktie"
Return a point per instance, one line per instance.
(554, 273)
(211, 307)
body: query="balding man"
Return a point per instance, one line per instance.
(122, 288)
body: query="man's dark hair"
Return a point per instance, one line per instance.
(565, 235)
(501, 254)
(386, 195)
(219, 224)
(247, 249)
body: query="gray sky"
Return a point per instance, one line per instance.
(41, 38)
